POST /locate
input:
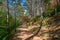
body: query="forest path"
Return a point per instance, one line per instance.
(24, 32)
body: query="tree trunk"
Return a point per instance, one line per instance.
(8, 23)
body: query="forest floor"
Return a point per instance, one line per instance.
(23, 32)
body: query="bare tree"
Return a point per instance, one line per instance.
(8, 14)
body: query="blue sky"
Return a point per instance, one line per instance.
(10, 3)
(22, 3)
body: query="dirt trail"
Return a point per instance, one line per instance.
(23, 33)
